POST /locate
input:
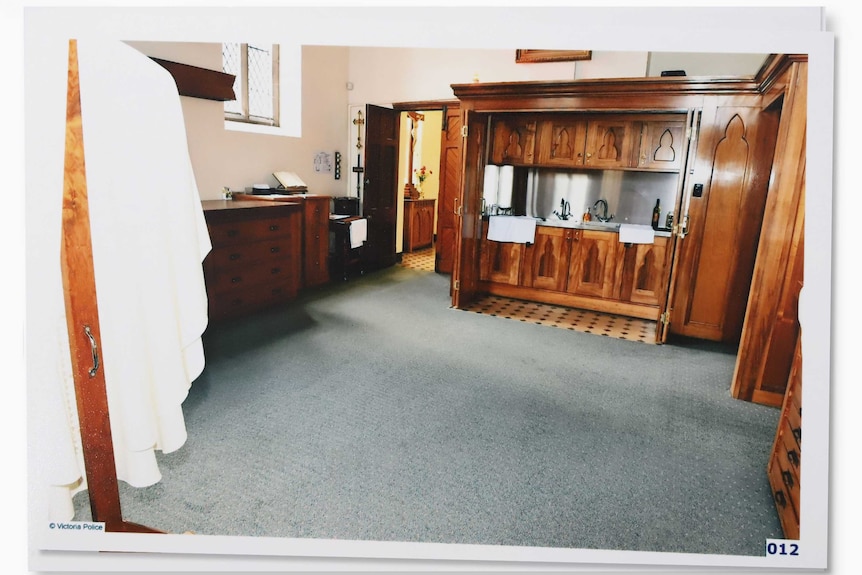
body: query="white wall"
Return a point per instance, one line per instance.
(698, 64)
(386, 75)
(238, 159)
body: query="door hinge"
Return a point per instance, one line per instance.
(464, 130)
(457, 285)
(688, 132)
(665, 318)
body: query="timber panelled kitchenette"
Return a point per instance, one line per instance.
(562, 183)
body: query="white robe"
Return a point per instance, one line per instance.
(149, 239)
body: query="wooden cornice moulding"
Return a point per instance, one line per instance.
(774, 66)
(423, 105)
(198, 82)
(671, 85)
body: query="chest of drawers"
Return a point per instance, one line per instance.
(256, 258)
(785, 462)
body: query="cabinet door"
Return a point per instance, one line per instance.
(500, 262)
(610, 143)
(514, 140)
(561, 142)
(642, 271)
(316, 246)
(661, 145)
(592, 264)
(546, 262)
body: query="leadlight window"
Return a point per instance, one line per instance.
(256, 86)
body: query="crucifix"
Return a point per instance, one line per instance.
(410, 191)
(358, 122)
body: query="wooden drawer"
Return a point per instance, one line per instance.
(238, 279)
(787, 513)
(234, 232)
(241, 302)
(241, 255)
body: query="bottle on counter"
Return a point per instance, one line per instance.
(587, 216)
(656, 214)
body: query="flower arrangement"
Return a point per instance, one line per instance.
(422, 174)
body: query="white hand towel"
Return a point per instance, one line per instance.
(515, 229)
(358, 232)
(636, 234)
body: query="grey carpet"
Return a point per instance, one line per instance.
(371, 411)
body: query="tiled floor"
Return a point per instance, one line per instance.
(604, 324)
(420, 260)
(608, 325)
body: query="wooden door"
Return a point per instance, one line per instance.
(593, 262)
(379, 204)
(450, 189)
(771, 319)
(465, 276)
(546, 262)
(731, 170)
(561, 141)
(610, 143)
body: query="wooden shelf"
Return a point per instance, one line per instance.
(200, 82)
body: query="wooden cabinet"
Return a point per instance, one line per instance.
(315, 238)
(514, 140)
(783, 469)
(610, 143)
(418, 224)
(562, 140)
(641, 270)
(256, 257)
(589, 269)
(500, 262)
(662, 144)
(592, 268)
(546, 261)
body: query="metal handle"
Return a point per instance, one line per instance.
(780, 499)
(787, 477)
(273, 227)
(94, 349)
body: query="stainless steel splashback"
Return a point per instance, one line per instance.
(631, 196)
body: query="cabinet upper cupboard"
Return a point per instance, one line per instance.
(599, 141)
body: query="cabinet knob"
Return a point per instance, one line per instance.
(235, 280)
(234, 257)
(780, 499)
(273, 227)
(274, 249)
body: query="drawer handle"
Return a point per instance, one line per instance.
(780, 499)
(787, 477)
(232, 233)
(273, 227)
(797, 433)
(236, 280)
(234, 257)
(275, 271)
(274, 249)
(793, 457)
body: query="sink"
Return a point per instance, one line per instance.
(580, 225)
(610, 226)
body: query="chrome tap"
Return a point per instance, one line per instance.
(602, 217)
(565, 210)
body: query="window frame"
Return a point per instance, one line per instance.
(244, 117)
